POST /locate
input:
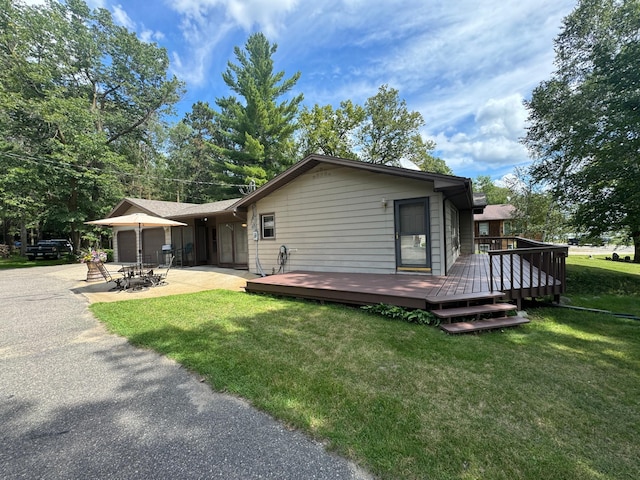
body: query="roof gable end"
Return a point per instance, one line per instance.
(458, 187)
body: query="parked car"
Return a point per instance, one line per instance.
(55, 248)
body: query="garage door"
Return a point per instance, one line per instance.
(127, 246)
(152, 241)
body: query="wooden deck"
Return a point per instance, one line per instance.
(469, 275)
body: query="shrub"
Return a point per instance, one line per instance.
(421, 317)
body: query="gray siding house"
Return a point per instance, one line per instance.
(328, 214)
(323, 214)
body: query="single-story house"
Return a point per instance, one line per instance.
(337, 215)
(323, 214)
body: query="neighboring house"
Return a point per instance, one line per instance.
(494, 222)
(323, 214)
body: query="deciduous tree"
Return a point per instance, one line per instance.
(585, 120)
(388, 134)
(79, 94)
(327, 131)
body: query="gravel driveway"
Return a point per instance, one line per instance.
(79, 403)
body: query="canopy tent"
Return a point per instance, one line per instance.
(137, 220)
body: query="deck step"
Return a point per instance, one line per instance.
(464, 297)
(474, 310)
(479, 325)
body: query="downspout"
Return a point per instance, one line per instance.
(444, 229)
(256, 237)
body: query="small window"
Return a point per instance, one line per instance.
(483, 229)
(268, 225)
(506, 228)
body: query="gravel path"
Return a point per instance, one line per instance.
(77, 402)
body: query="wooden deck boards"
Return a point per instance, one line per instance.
(488, 324)
(469, 275)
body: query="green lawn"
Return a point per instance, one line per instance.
(603, 284)
(22, 262)
(558, 398)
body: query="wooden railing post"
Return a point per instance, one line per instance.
(534, 269)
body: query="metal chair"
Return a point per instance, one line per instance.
(108, 278)
(158, 279)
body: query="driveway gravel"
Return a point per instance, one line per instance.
(79, 403)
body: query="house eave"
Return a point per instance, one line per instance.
(458, 189)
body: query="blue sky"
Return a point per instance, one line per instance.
(465, 65)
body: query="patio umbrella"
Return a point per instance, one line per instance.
(137, 219)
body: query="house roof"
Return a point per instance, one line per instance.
(496, 212)
(457, 189)
(205, 209)
(166, 209)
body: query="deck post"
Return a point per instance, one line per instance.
(534, 269)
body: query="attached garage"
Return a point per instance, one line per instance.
(152, 241)
(127, 246)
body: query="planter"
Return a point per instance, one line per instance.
(93, 272)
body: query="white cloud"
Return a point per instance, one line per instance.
(267, 15)
(504, 117)
(121, 17)
(206, 23)
(492, 139)
(151, 36)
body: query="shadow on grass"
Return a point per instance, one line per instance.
(398, 395)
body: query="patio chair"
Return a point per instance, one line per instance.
(158, 279)
(108, 278)
(184, 255)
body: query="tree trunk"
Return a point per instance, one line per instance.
(636, 246)
(23, 239)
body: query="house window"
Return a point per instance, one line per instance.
(268, 226)
(506, 228)
(483, 229)
(484, 247)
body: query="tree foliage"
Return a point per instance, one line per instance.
(495, 194)
(382, 131)
(327, 131)
(194, 159)
(585, 120)
(390, 130)
(259, 129)
(79, 96)
(537, 214)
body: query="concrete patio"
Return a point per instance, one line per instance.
(179, 280)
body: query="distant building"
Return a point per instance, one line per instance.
(492, 226)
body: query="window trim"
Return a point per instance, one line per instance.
(263, 227)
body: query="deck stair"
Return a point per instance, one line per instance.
(473, 312)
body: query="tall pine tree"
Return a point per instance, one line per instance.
(258, 127)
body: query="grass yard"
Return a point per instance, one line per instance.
(22, 262)
(556, 399)
(603, 284)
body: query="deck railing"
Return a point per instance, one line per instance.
(528, 269)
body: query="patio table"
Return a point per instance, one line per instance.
(137, 275)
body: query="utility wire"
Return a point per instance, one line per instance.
(63, 165)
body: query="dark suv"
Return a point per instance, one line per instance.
(56, 248)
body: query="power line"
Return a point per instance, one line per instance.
(64, 165)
